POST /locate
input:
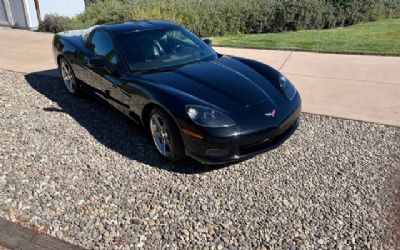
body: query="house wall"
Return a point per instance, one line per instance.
(22, 13)
(3, 13)
(17, 8)
(33, 23)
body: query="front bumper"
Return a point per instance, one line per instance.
(241, 147)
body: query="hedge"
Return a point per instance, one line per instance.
(55, 23)
(222, 17)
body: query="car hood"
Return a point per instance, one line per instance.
(225, 82)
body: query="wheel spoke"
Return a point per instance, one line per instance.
(167, 144)
(64, 74)
(158, 124)
(163, 146)
(67, 69)
(157, 134)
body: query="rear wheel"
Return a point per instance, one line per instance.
(165, 135)
(68, 76)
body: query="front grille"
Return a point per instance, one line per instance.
(268, 143)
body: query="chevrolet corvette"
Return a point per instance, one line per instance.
(192, 101)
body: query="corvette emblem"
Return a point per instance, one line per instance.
(272, 113)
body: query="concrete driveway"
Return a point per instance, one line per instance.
(25, 51)
(348, 86)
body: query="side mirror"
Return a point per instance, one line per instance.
(208, 41)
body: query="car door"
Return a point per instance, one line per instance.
(104, 67)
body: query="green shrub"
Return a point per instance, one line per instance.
(55, 24)
(222, 17)
(390, 8)
(105, 12)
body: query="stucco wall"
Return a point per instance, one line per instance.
(22, 13)
(17, 12)
(32, 20)
(3, 15)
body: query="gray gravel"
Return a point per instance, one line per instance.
(77, 170)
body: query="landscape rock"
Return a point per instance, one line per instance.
(77, 168)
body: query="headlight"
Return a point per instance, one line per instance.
(208, 117)
(287, 87)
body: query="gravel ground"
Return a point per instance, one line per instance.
(77, 170)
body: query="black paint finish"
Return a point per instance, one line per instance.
(243, 89)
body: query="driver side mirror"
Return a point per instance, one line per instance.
(208, 41)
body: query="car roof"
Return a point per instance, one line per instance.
(132, 26)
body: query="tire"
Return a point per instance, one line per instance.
(68, 75)
(165, 135)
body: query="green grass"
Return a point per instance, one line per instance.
(380, 37)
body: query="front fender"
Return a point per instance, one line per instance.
(173, 101)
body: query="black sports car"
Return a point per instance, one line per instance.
(194, 101)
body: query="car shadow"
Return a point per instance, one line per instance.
(108, 126)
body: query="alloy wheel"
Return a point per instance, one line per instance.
(68, 76)
(160, 135)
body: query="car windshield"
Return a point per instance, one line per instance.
(163, 48)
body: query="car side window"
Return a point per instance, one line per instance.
(103, 46)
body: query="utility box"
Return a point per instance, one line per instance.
(24, 13)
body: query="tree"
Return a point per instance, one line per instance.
(87, 2)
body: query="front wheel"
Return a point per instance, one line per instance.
(68, 76)
(166, 136)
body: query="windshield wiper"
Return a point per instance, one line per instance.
(156, 69)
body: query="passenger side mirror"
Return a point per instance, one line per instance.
(208, 41)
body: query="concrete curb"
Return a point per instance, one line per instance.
(15, 236)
